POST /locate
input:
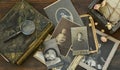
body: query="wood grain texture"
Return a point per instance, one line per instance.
(31, 63)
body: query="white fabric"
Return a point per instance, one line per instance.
(112, 7)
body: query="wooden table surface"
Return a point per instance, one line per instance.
(31, 63)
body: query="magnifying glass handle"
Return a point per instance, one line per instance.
(12, 36)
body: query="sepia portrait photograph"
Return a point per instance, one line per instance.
(62, 34)
(100, 60)
(79, 40)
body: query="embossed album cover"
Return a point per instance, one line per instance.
(22, 30)
(62, 8)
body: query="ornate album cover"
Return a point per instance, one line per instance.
(62, 8)
(101, 60)
(92, 37)
(22, 30)
(79, 38)
(62, 33)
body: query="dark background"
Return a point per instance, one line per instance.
(31, 63)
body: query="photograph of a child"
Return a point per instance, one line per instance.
(61, 37)
(62, 34)
(101, 59)
(50, 55)
(79, 40)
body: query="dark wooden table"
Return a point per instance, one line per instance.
(31, 63)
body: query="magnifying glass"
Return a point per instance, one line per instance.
(27, 28)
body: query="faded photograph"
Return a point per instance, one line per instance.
(63, 12)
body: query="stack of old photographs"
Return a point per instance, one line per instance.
(61, 51)
(74, 43)
(67, 42)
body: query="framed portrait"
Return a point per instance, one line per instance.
(50, 56)
(91, 31)
(59, 9)
(62, 34)
(79, 38)
(101, 59)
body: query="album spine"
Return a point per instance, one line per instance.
(32, 47)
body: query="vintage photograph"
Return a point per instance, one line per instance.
(101, 59)
(50, 56)
(79, 38)
(62, 34)
(59, 9)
